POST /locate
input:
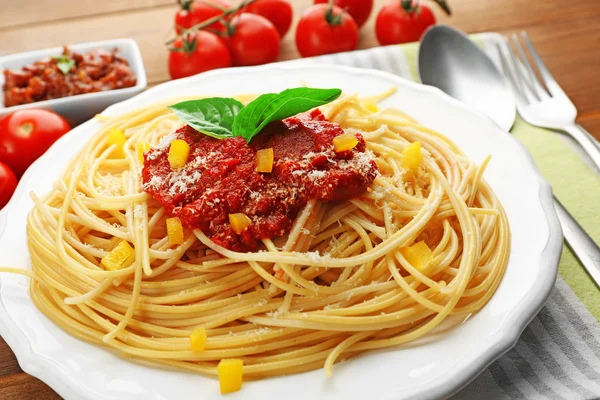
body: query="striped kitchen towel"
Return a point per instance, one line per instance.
(558, 354)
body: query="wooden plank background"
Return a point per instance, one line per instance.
(567, 35)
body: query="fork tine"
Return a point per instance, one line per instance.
(547, 77)
(534, 84)
(518, 69)
(516, 88)
(526, 88)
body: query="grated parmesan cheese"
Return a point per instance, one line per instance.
(316, 175)
(163, 145)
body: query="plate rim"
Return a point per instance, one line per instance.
(68, 387)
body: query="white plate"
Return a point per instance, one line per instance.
(77, 370)
(81, 107)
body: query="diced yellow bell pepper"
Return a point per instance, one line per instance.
(419, 255)
(120, 257)
(230, 375)
(411, 156)
(264, 160)
(178, 153)
(116, 137)
(174, 230)
(371, 106)
(198, 339)
(142, 147)
(344, 142)
(239, 222)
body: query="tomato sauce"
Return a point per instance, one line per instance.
(220, 178)
(95, 71)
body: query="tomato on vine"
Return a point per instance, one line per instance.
(358, 9)
(279, 12)
(194, 12)
(197, 52)
(325, 29)
(252, 40)
(403, 21)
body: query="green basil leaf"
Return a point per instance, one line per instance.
(64, 63)
(271, 107)
(212, 116)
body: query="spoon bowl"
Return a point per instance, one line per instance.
(449, 60)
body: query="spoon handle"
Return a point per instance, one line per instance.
(582, 245)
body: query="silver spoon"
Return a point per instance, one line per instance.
(449, 60)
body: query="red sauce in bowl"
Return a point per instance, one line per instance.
(95, 71)
(220, 178)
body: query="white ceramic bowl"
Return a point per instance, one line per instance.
(432, 368)
(82, 107)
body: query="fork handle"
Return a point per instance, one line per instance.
(586, 140)
(583, 246)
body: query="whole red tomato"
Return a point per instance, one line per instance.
(197, 52)
(324, 29)
(194, 12)
(252, 40)
(279, 12)
(27, 134)
(396, 25)
(358, 9)
(8, 184)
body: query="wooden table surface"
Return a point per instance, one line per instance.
(567, 35)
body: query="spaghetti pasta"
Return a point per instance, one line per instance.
(340, 283)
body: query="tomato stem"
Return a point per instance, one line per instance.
(186, 5)
(413, 6)
(223, 17)
(410, 6)
(188, 44)
(331, 18)
(444, 6)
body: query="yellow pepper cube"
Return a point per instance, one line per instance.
(116, 137)
(174, 231)
(239, 222)
(419, 255)
(411, 156)
(230, 375)
(371, 106)
(198, 339)
(344, 142)
(264, 160)
(120, 257)
(142, 147)
(178, 153)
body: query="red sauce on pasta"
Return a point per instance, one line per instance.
(220, 178)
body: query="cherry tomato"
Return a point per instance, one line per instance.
(324, 29)
(252, 40)
(194, 12)
(27, 134)
(8, 184)
(395, 25)
(197, 52)
(279, 12)
(358, 9)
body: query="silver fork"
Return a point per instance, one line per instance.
(545, 105)
(551, 108)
